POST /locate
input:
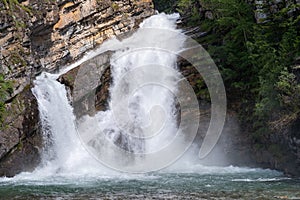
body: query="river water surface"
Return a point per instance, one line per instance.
(68, 171)
(208, 183)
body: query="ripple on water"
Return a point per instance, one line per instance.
(259, 184)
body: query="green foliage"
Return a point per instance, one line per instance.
(189, 8)
(255, 59)
(201, 90)
(275, 45)
(6, 89)
(115, 6)
(14, 4)
(167, 6)
(13, 7)
(230, 31)
(288, 92)
(20, 145)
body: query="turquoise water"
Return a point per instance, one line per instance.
(68, 171)
(231, 183)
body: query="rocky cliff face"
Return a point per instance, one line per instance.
(277, 148)
(56, 33)
(45, 37)
(88, 85)
(280, 150)
(20, 138)
(88, 97)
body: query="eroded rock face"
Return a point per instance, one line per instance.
(57, 33)
(52, 34)
(20, 138)
(88, 85)
(89, 95)
(235, 146)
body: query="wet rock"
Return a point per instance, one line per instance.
(51, 35)
(20, 136)
(89, 84)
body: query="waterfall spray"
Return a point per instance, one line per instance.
(139, 131)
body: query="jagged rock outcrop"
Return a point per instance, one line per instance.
(279, 149)
(88, 85)
(235, 147)
(20, 138)
(46, 37)
(57, 33)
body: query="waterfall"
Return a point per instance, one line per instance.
(149, 124)
(141, 118)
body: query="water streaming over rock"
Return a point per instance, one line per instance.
(70, 168)
(140, 118)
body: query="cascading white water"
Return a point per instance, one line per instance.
(63, 151)
(151, 107)
(140, 119)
